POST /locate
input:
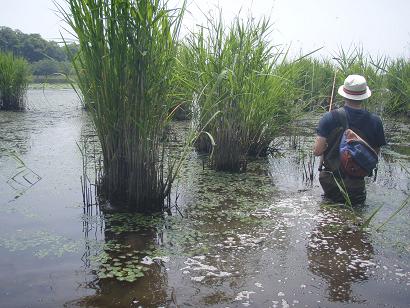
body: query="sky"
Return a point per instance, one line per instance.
(381, 27)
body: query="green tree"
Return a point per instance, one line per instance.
(33, 47)
(45, 67)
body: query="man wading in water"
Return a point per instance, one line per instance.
(329, 131)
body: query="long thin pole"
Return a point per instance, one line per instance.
(333, 91)
(330, 109)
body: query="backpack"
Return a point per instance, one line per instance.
(349, 153)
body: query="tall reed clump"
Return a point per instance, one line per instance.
(124, 66)
(14, 78)
(230, 69)
(398, 84)
(312, 78)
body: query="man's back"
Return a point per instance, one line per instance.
(365, 123)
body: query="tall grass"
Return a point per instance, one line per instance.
(14, 78)
(313, 79)
(231, 69)
(124, 66)
(398, 83)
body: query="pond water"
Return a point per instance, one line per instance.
(261, 239)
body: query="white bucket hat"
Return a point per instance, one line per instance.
(355, 88)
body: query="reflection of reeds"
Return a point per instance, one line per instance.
(14, 77)
(89, 187)
(25, 178)
(127, 52)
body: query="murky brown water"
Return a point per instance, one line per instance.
(260, 239)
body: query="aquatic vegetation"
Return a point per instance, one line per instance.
(124, 70)
(14, 78)
(123, 267)
(128, 222)
(312, 79)
(231, 70)
(343, 190)
(42, 243)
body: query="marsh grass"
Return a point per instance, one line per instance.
(127, 53)
(14, 79)
(398, 83)
(253, 101)
(313, 80)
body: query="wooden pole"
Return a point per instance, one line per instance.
(330, 109)
(333, 91)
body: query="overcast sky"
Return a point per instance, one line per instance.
(380, 26)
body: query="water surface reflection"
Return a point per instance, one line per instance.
(340, 253)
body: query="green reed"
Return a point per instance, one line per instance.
(398, 84)
(124, 70)
(313, 79)
(252, 100)
(14, 78)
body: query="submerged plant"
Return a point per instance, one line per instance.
(14, 77)
(127, 53)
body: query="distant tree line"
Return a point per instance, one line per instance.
(45, 57)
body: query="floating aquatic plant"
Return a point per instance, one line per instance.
(123, 268)
(131, 222)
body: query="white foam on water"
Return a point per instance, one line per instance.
(243, 295)
(198, 278)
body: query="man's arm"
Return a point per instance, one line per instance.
(320, 146)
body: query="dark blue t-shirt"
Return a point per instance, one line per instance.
(367, 123)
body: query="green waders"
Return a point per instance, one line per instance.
(355, 187)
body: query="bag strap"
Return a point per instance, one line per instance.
(341, 117)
